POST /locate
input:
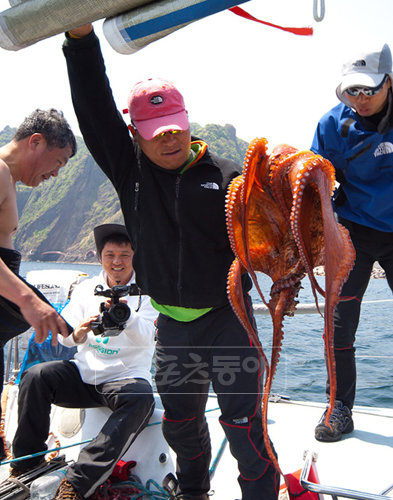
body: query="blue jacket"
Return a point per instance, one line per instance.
(364, 167)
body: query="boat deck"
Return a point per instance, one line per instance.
(361, 461)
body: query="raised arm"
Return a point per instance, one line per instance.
(103, 127)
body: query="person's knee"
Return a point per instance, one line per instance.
(174, 430)
(143, 403)
(344, 352)
(188, 437)
(37, 381)
(33, 374)
(344, 337)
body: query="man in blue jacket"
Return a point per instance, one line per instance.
(357, 137)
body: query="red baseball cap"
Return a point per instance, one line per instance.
(155, 106)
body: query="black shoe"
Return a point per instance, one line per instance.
(341, 422)
(171, 485)
(20, 475)
(17, 472)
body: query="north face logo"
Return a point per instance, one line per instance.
(384, 148)
(156, 99)
(241, 420)
(210, 185)
(359, 63)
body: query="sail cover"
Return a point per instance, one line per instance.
(26, 22)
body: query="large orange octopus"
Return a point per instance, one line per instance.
(280, 222)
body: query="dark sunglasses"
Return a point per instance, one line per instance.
(368, 91)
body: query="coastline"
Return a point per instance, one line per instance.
(54, 262)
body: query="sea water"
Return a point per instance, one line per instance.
(301, 370)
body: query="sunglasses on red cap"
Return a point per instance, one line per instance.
(367, 91)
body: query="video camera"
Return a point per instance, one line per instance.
(112, 321)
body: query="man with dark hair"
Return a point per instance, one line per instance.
(52, 125)
(103, 235)
(43, 144)
(357, 137)
(111, 370)
(172, 192)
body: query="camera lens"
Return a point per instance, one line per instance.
(119, 313)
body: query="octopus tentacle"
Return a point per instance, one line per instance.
(232, 211)
(279, 161)
(278, 335)
(304, 177)
(235, 295)
(234, 217)
(338, 270)
(255, 169)
(255, 163)
(282, 302)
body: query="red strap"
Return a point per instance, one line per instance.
(122, 470)
(296, 31)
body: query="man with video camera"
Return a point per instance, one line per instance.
(110, 369)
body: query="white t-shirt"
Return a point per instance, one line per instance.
(106, 359)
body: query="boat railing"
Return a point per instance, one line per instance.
(12, 358)
(335, 491)
(261, 309)
(13, 355)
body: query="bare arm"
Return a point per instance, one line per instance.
(41, 316)
(8, 207)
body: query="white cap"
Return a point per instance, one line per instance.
(366, 69)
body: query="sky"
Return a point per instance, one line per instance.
(263, 81)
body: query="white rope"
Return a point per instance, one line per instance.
(319, 10)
